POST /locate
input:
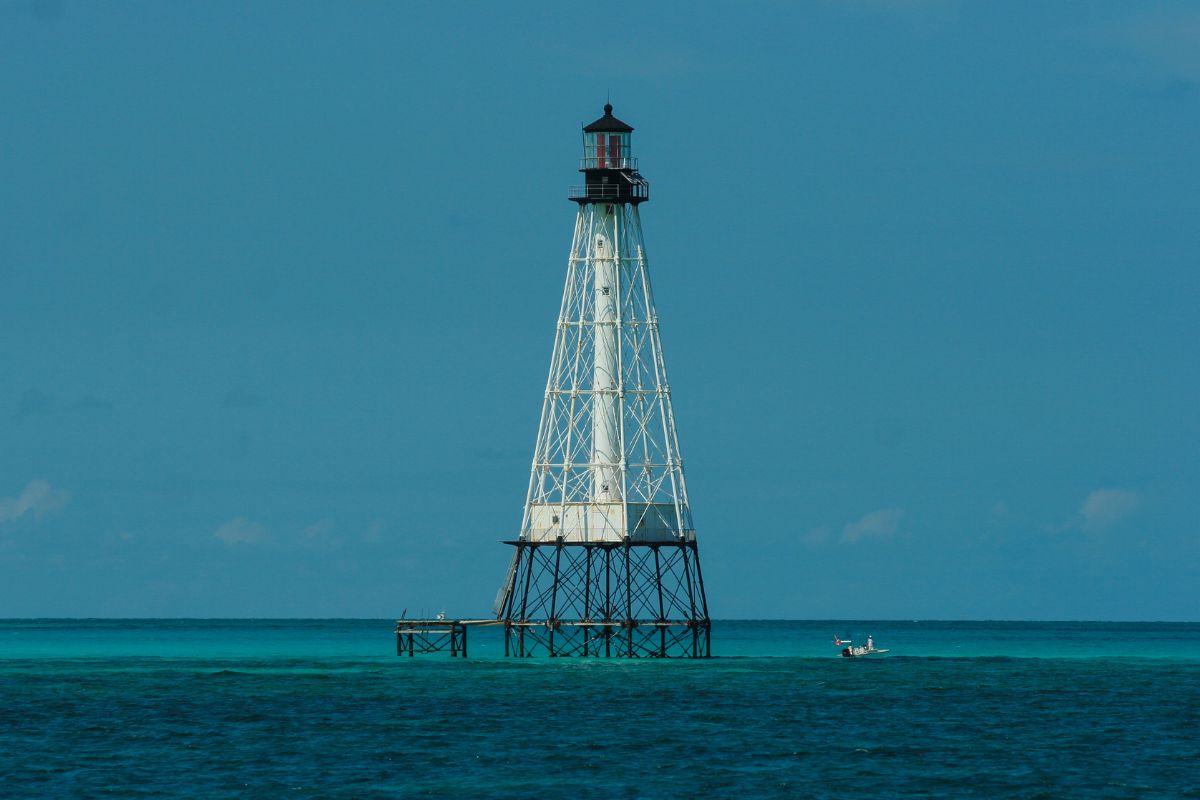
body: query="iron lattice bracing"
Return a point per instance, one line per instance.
(606, 464)
(617, 600)
(606, 562)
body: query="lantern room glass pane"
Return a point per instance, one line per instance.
(606, 150)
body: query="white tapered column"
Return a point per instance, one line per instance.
(606, 466)
(606, 432)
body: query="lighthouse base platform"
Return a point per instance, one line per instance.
(625, 599)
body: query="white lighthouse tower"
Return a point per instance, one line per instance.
(606, 561)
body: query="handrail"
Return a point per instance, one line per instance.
(602, 191)
(608, 162)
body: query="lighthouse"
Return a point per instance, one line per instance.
(606, 562)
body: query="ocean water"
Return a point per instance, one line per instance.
(323, 708)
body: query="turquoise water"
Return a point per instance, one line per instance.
(261, 708)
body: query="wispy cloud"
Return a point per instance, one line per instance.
(321, 529)
(876, 525)
(1168, 37)
(240, 530)
(1104, 508)
(38, 499)
(816, 536)
(323, 535)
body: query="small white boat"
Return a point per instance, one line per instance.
(850, 651)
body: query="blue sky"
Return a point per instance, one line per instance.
(279, 283)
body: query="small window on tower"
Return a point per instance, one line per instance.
(604, 291)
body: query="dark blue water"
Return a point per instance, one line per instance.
(323, 709)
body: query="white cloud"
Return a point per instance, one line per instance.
(240, 531)
(815, 536)
(877, 524)
(1168, 37)
(322, 534)
(37, 498)
(319, 529)
(1104, 508)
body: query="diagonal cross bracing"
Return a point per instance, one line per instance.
(606, 560)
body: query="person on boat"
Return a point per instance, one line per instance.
(870, 643)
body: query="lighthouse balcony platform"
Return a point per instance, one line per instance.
(627, 189)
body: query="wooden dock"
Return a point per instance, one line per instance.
(435, 635)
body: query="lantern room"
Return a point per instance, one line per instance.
(606, 143)
(610, 170)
